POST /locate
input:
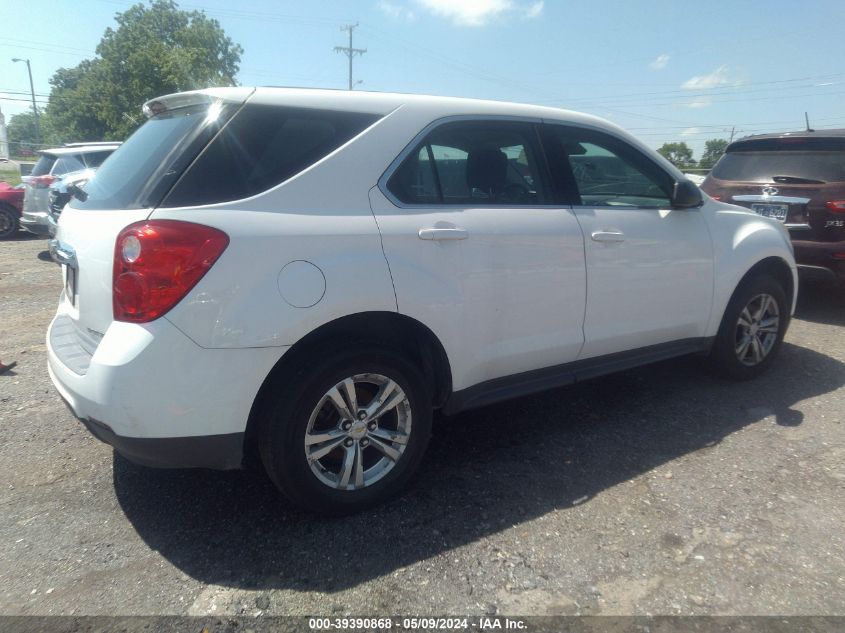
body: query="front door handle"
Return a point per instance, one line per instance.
(442, 234)
(608, 236)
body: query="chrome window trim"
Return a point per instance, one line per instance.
(764, 198)
(437, 123)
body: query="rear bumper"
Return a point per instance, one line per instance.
(816, 260)
(218, 452)
(157, 397)
(38, 223)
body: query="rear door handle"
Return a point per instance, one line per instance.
(443, 234)
(608, 236)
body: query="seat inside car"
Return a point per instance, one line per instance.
(487, 171)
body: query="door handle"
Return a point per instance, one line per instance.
(443, 234)
(608, 236)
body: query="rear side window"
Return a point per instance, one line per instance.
(472, 163)
(262, 147)
(44, 165)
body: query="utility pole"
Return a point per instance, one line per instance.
(733, 129)
(348, 50)
(32, 91)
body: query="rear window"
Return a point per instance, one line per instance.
(95, 159)
(145, 167)
(68, 163)
(762, 160)
(44, 165)
(262, 147)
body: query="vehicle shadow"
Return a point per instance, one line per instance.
(821, 303)
(485, 471)
(24, 236)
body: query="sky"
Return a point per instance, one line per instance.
(667, 70)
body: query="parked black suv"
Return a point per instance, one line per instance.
(797, 178)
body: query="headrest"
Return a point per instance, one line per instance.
(487, 169)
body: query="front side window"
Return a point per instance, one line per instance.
(477, 163)
(608, 172)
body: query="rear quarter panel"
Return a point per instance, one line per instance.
(321, 216)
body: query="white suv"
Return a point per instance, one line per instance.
(302, 276)
(53, 165)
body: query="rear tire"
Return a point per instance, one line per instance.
(751, 331)
(333, 453)
(8, 222)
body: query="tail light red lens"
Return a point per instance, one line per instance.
(837, 206)
(157, 262)
(42, 182)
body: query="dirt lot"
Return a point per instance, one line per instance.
(655, 491)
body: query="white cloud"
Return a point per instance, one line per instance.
(534, 10)
(396, 11)
(699, 102)
(690, 131)
(480, 12)
(660, 62)
(718, 77)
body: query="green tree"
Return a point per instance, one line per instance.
(155, 49)
(679, 154)
(21, 132)
(713, 150)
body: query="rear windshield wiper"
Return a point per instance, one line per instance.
(795, 180)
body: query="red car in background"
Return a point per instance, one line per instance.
(11, 205)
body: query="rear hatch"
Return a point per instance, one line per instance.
(791, 179)
(126, 189)
(37, 184)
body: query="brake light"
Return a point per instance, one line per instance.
(716, 197)
(837, 206)
(157, 262)
(42, 182)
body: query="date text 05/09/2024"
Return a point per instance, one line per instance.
(484, 623)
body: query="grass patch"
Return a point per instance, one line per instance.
(10, 175)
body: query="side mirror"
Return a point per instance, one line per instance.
(686, 195)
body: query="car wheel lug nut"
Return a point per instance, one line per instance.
(348, 442)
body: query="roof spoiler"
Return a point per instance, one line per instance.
(194, 98)
(95, 143)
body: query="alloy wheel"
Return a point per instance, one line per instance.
(757, 330)
(358, 431)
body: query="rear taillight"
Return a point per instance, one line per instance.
(42, 182)
(837, 206)
(156, 263)
(716, 197)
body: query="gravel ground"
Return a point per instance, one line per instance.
(654, 491)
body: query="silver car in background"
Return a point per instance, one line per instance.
(52, 165)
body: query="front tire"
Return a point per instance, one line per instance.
(752, 329)
(347, 432)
